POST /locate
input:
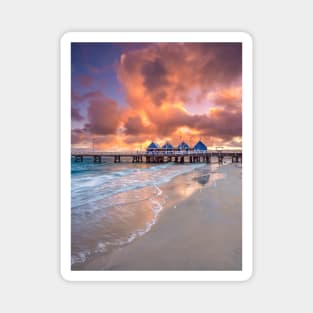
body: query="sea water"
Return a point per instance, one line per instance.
(112, 204)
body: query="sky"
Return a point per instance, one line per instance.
(125, 95)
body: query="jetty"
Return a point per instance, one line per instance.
(154, 153)
(159, 156)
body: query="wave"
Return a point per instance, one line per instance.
(88, 189)
(112, 205)
(102, 247)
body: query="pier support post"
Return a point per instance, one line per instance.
(136, 159)
(78, 158)
(220, 159)
(97, 158)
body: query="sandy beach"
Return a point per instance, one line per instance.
(199, 228)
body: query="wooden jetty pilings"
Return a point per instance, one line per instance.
(97, 158)
(78, 158)
(117, 159)
(179, 157)
(236, 157)
(136, 158)
(220, 158)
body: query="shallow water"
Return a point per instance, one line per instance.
(113, 204)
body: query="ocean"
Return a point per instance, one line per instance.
(112, 204)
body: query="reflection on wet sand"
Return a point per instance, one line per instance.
(198, 229)
(203, 180)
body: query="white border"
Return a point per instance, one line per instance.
(65, 167)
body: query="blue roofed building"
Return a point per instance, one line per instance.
(153, 146)
(200, 146)
(183, 146)
(168, 146)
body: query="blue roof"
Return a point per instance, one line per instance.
(168, 146)
(183, 145)
(200, 146)
(153, 146)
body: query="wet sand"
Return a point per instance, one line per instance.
(200, 232)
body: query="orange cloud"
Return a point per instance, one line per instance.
(103, 117)
(161, 83)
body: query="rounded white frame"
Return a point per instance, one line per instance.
(65, 149)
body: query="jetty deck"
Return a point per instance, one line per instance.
(159, 156)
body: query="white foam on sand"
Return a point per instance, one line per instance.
(86, 190)
(103, 247)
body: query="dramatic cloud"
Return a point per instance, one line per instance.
(171, 72)
(155, 80)
(170, 91)
(76, 116)
(85, 80)
(135, 126)
(78, 136)
(78, 98)
(229, 98)
(103, 117)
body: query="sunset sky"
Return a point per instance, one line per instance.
(125, 95)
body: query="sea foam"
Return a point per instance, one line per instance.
(112, 206)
